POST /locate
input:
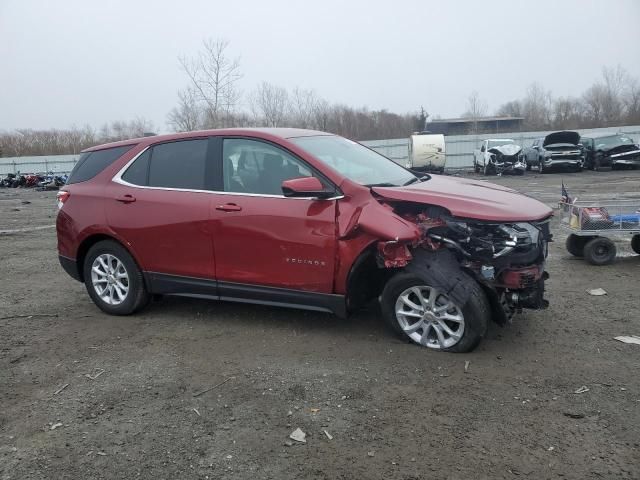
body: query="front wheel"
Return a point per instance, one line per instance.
(420, 307)
(113, 280)
(540, 167)
(487, 169)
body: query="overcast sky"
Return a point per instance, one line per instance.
(69, 62)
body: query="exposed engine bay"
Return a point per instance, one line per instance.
(507, 259)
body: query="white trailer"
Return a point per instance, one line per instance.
(426, 152)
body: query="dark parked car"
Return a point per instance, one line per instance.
(610, 150)
(299, 218)
(556, 150)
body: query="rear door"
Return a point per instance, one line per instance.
(160, 205)
(263, 238)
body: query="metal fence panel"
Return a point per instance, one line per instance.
(38, 164)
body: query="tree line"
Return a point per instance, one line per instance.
(32, 142)
(612, 100)
(212, 98)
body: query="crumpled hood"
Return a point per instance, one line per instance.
(620, 148)
(474, 199)
(572, 138)
(507, 149)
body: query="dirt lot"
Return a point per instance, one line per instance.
(394, 410)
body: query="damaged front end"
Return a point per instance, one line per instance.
(507, 159)
(506, 259)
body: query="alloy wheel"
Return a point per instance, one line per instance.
(429, 317)
(110, 279)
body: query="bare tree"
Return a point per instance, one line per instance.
(614, 82)
(476, 108)
(632, 100)
(566, 112)
(269, 104)
(593, 100)
(214, 78)
(536, 107)
(303, 105)
(187, 115)
(510, 109)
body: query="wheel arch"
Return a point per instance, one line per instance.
(366, 279)
(89, 242)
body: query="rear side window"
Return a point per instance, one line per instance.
(91, 164)
(138, 171)
(179, 165)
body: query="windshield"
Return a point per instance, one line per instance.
(499, 143)
(614, 141)
(355, 161)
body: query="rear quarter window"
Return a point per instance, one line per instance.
(91, 164)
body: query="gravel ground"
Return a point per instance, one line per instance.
(85, 395)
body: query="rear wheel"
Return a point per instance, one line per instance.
(575, 244)
(113, 280)
(441, 308)
(528, 166)
(635, 243)
(600, 251)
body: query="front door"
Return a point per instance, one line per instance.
(263, 238)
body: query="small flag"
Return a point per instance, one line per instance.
(565, 194)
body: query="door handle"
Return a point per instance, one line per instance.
(126, 198)
(229, 207)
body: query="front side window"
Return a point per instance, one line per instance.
(354, 161)
(251, 166)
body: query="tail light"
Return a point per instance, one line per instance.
(62, 197)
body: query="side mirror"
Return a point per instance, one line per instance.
(482, 148)
(307, 187)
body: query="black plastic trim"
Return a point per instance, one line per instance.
(70, 266)
(161, 283)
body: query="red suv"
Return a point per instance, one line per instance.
(303, 219)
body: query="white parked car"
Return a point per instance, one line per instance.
(497, 156)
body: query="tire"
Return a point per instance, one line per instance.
(635, 243)
(437, 272)
(128, 293)
(487, 169)
(528, 167)
(575, 244)
(540, 166)
(600, 251)
(476, 167)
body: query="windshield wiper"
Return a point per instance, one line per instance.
(423, 178)
(382, 184)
